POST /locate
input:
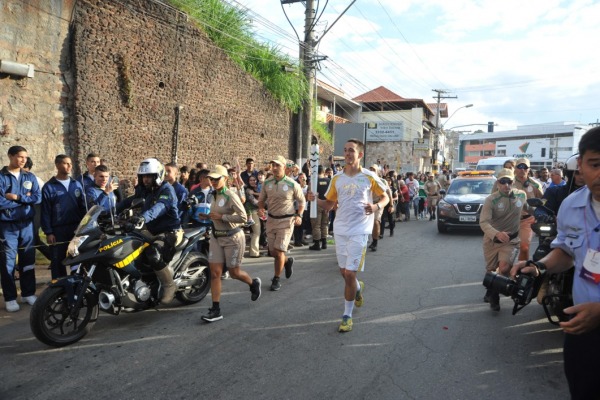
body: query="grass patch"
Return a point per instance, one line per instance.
(231, 30)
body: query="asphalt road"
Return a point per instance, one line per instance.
(423, 333)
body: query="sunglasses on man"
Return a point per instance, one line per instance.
(505, 181)
(522, 166)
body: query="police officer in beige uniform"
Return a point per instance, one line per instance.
(533, 188)
(499, 221)
(279, 193)
(432, 190)
(227, 243)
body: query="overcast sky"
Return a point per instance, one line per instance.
(518, 61)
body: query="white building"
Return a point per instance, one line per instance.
(544, 145)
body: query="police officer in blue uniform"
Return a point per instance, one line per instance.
(19, 191)
(62, 209)
(578, 242)
(161, 217)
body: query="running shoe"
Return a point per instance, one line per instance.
(359, 300)
(255, 289)
(214, 314)
(29, 299)
(346, 325)
(275, 285)
(12, 306)
(288, 267)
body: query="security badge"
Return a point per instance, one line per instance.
(221, 202)
(27, 185)
(77, 193)
(591, 267)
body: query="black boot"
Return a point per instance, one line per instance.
(391, 232)
(495, 301)
(324, 244)
(316, 245)
(373, 245)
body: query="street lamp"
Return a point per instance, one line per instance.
(437, 138)
(455, 111)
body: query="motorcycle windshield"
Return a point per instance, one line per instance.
(89, 222)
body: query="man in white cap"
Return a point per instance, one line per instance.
(278, 194)
(499, 221)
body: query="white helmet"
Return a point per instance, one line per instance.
(571, 163)
(151, 166)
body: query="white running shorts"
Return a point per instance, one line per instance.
(351, 251)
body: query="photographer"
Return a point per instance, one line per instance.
(499, 221)
(578, 242)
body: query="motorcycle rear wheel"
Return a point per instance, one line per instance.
(51, 322)
(195, 266)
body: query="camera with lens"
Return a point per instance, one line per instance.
(521, 290)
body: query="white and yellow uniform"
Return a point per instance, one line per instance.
(352, 224)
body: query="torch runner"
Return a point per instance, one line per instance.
(314, 164)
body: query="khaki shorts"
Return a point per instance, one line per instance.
(227, 250)
(496, 252)
(432, 200)
(279, 233)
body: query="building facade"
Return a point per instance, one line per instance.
(545, 145)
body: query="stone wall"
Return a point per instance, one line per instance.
(35, 112)
(136, 63)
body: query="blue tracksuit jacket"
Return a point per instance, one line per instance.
(61, 207)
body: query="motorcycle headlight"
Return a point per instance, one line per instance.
(73, 249)
(545, 228)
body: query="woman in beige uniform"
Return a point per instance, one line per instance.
(227, 243)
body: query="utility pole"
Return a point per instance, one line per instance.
(308, 63)
(308, 66)
(436, 140)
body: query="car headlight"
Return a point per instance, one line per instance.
(445, 206)
(73, 249)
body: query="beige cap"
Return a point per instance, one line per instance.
(279, 160)
(506, 173)
(523, 161)
(375, 167)
(217, 172)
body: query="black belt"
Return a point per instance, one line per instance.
(281, 216)
(223, 233)
(525, 216)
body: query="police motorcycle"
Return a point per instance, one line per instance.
(112, 275)
(558, 294)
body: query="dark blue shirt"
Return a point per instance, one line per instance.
(86, 180)
(95, 195)
(61, 207)
(159, 209)
(182, 193)
(28, 190)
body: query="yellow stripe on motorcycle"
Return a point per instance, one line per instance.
(131, 257)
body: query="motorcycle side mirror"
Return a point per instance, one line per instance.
(136, 203)
(535, 202)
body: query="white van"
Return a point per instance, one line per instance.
(492, 164)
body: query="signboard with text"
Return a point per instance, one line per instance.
(421, 144)
(385, 131)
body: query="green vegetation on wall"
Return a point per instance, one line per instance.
(231, 30)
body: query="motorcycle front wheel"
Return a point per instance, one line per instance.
(195, 267)
(51, 322)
